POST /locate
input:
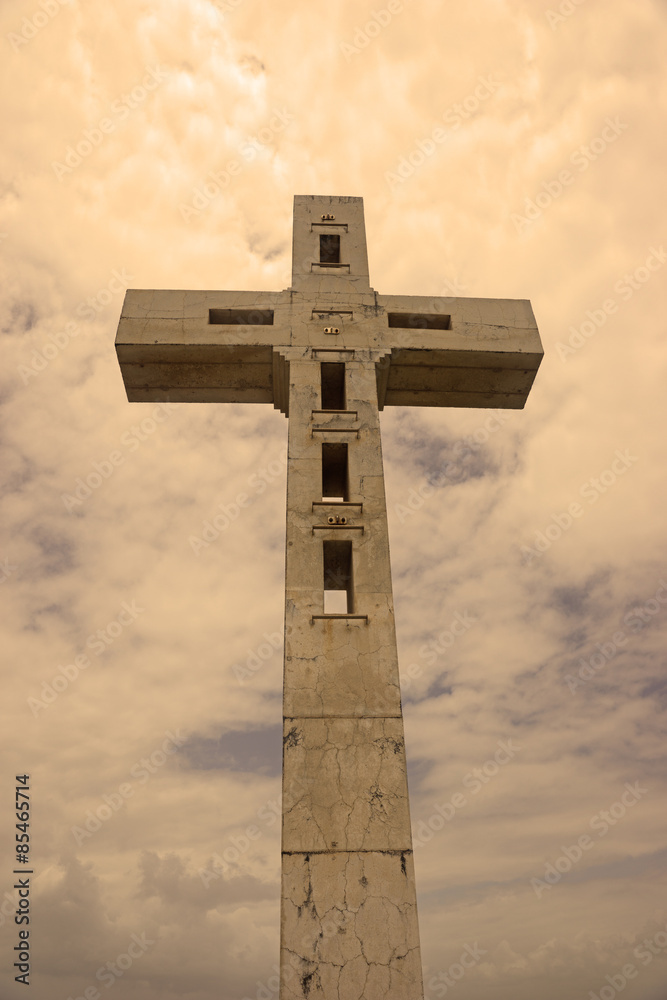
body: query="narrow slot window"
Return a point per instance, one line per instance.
(243, 317)
(420, 321)
(329, 249)
(338, 594)
(334, 472)
(333, 385)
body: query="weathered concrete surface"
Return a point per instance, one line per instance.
(341, 667)
(348, 914)
(354, 795)
(350, 927)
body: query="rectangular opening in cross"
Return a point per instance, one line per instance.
(338, 594)
(242, 317)
(334, 472)
(420, 321)
(329, 249)
(333, 385)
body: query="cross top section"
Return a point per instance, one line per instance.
(329, 243)
(236, 346)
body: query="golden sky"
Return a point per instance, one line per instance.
(503, 149)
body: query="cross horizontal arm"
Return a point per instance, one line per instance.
(461, 352)
(190, 346)
(229, 347)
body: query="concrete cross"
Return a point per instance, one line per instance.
(330, 352)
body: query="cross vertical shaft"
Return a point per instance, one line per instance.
(349, 914)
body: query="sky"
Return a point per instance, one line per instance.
(506, 150)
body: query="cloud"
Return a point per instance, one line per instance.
(249, 103)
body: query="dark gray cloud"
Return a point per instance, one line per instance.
(255, 751)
